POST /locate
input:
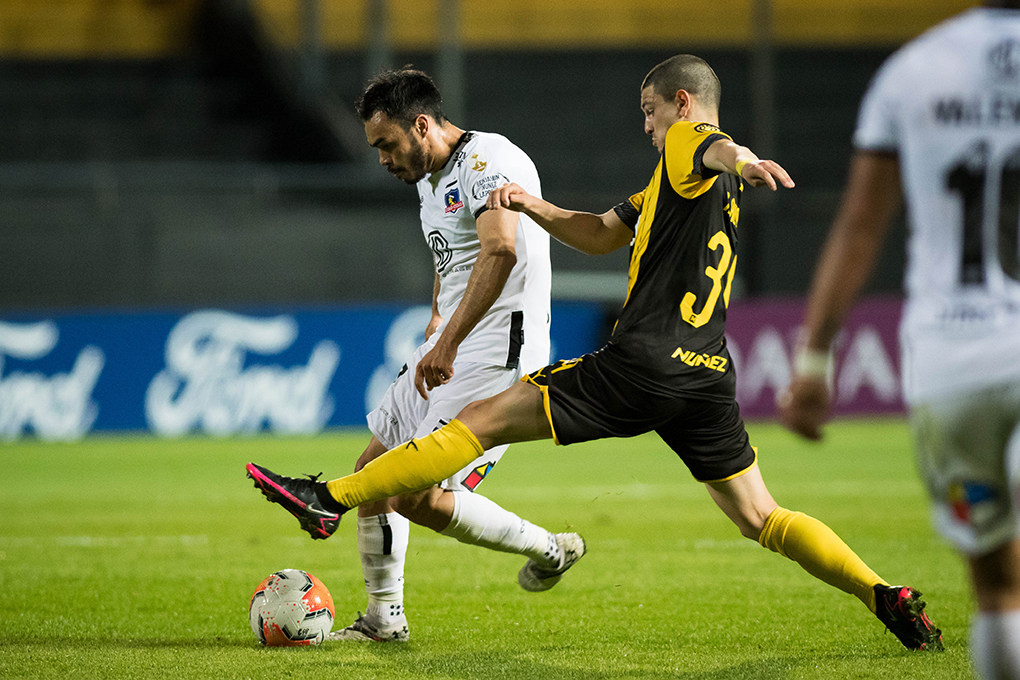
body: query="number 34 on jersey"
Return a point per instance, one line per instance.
(725, 269)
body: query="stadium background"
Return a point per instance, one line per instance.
(164, 157)
(190, 220)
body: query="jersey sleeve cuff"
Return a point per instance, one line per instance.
(627, 213)
(699, 154)
(878, 150)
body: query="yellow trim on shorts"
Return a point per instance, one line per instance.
(545, 403)
(736, 474)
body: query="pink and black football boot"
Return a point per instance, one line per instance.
(307, 499)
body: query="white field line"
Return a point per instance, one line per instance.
(101, 541)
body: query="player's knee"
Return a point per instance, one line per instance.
(481, 418)
(420, 507)
(474, 413)
(409, 506)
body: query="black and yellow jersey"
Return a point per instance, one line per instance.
(670, 332)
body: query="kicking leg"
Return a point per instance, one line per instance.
(816, 548)
(516, 415)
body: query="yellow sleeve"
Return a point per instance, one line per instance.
(686, 143)
(637, 200)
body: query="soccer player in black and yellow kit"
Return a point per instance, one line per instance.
(665, 368)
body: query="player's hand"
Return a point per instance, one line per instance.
(766, 173)
(804, 406)
(434, 369)
(509, 196)
(433, 326)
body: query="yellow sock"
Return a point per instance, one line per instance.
(820, 552)
(414, 466)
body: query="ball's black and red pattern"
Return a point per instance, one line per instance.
(291, 608)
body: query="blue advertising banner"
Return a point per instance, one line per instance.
(218, 372)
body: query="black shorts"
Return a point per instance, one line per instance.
(592, 398)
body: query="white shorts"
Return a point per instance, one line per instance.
(403, 415)
(968, 451)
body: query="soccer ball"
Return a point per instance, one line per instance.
(291, 608)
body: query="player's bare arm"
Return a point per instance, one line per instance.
(727, 156)
(497, 234)
(436, 319)
(590, 233)
(872, 198)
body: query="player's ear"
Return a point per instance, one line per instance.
(684, 103)
(422, 124)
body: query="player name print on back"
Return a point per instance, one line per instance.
(994, 105)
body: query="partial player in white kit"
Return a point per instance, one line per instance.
(490, 325)
(942, 117)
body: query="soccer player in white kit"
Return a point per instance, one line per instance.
(490, 325)
(942, 118)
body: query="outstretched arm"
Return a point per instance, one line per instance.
(872, 198)
(587, 232)
(727, 156)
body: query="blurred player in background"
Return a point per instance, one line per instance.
(942, 119)
(666, 367)
(490, 324)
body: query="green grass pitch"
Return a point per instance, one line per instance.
(135, 558)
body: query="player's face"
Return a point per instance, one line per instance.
(400, 152)
(659, 116)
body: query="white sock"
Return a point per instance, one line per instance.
(382, 542)
(995, 645)
(479, 521)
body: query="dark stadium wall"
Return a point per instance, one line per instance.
(154, 232)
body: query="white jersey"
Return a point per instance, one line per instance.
(948, 104)
(451, 200)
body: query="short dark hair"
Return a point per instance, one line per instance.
(685, 72)
(402, 94)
